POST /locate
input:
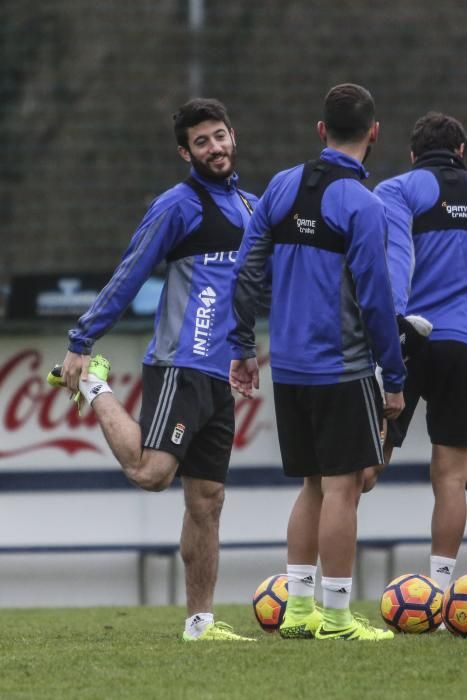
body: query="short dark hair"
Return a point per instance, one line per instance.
(349, 112)
(436, 131)
(196, 111)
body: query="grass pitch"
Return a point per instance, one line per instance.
(137, 654)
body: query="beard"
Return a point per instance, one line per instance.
(207, 172)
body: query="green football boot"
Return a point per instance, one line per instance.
(99, 367)
(217, 632)
(301, 627)
(359, 630)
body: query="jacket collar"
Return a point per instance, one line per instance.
(229, 184)
(439, 157)
(338, 158)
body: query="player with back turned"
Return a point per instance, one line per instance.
(427, 259)
(331, 313)
(186, 425)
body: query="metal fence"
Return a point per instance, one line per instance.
(88, 88)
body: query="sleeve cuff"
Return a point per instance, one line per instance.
(392, 388)
(242, 353)
(80, 348)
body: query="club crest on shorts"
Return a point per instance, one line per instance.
(178, 433)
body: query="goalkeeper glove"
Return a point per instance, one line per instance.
(413, 332)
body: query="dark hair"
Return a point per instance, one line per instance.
(349, 112)
(196, 111)
(436, 131)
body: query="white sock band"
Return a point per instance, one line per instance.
(93, 387)
(336, 592)
(441, 570)
(301, 579)
(197, 623)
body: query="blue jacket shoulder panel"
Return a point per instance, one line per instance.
(416, 191)
(280, 195)
(404, 197)
(270, 209)
(178, 207)
(345, 201)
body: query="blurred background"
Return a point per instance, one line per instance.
(88, 89)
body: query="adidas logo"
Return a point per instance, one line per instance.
(443, 570)
(96, 389)
(195, 620)
(308, 579)
(342, 590)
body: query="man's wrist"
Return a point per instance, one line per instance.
(79, 348)
(242, 354)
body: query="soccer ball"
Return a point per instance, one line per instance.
(455, 607)
(269, 602)
(412, 603)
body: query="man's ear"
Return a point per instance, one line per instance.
(232, 136)
(374, 132)
(461, 150)
(184, 153)
(322, 132)
(413, 157)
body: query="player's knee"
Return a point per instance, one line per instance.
(207, 505)
(369, 483)
(217, 503)
(154, 482)
(208, 508)
(147, 479)
(444, 484)
(370, 477)
(152, 474)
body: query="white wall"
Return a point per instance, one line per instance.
(39, 433)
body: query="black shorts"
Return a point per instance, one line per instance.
(329, 430)
(439, 375)
(190, 415)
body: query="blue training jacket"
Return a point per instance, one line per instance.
(193, 313)
(316, 326)
(429, 270)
